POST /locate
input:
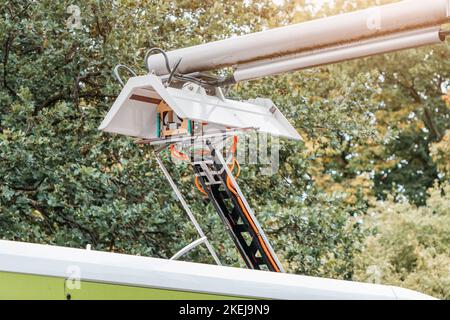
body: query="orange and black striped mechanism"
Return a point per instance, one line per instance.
(235, 215)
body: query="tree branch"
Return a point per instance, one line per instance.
(28, 188)
(6, 50)
(49, 101)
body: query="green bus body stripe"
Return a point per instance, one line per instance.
(19, 286)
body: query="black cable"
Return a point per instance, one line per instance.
(166, 58)
(173, 74)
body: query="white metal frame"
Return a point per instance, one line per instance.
(203, 238)
(308, 37)
(137, 118)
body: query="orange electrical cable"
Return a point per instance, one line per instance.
(234, 145)
(242, 205)
(178, 154)
(228, 182)
(253, 226)
(199, 187)
(239, 169)
(181, 156)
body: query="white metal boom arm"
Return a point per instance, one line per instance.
(402, 25)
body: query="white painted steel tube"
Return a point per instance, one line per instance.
(188, 248)
(308, 36)
(341, 53)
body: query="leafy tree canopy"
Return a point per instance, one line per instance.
(372, 128)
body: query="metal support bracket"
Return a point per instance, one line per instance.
(188, 248)
(191, 216)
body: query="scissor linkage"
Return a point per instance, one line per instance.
(231, 207)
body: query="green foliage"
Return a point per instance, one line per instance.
(63, 182)
(316, 236)
(410, 246)
(440, 152)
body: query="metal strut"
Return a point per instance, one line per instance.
(203, 238)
